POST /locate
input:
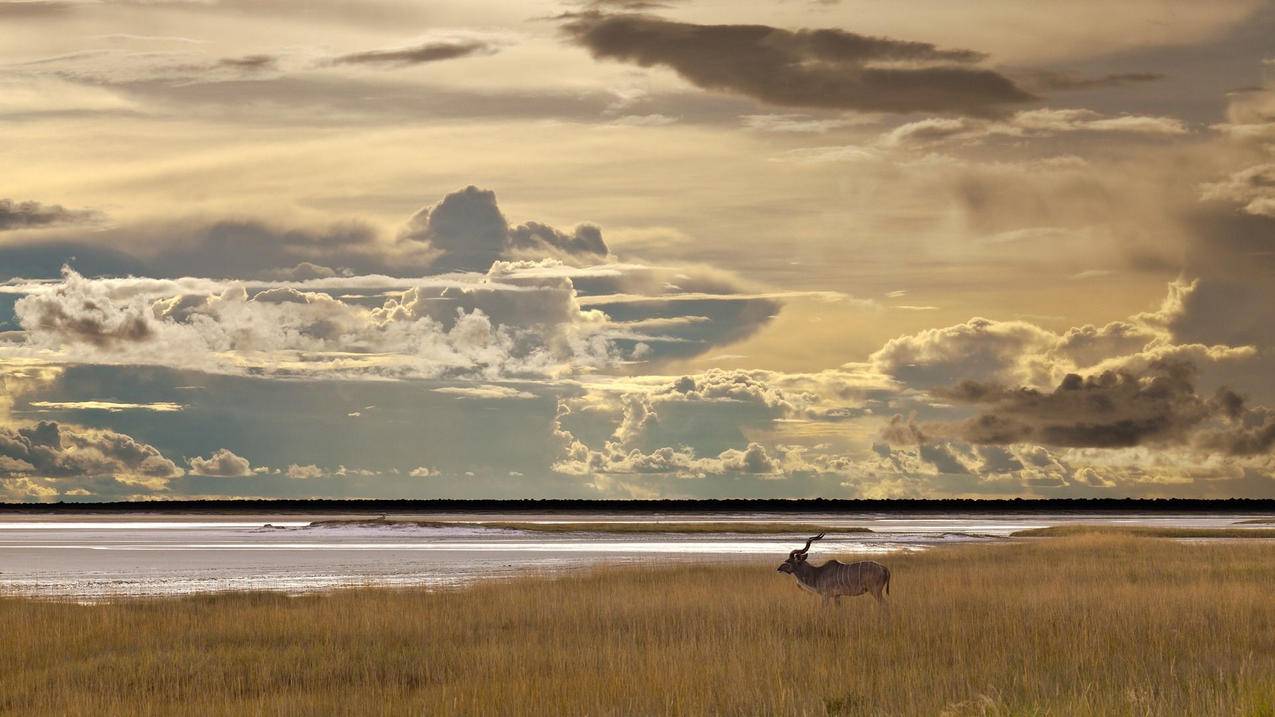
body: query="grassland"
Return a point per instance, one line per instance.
(1144, 531)
(749, 527)
(1090, 625)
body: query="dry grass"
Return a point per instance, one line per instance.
(1144, 531)
(1256, 521)
(1097, 625)
(750, 527)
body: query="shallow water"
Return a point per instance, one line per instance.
(96, 557)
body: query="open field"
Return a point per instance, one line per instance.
(1145, 531)
(745, 527)
(1074, 626)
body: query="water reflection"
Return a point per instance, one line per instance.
(95, 558)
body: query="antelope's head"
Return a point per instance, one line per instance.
(797, 557)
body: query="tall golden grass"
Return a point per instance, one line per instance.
(1145, 531)
(1095, 625)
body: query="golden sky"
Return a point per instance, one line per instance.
(620, 248)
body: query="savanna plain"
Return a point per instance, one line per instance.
(1084, 624)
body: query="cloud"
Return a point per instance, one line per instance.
(1107, 410)
(34, 8)
(980, 349)
(626, 5)
(50, 449)
(1042, 122)
(800, 124)
(304, 472)
(79, 311)
(34, 215)
(520, 319)
(1046, 80)
(1254, 434)
(249, 62)
(825, 68)
(109, 406)
(470, 233)
(1252, 189)
(222, 463)
(617, 457)
(484, 391)
(434, 51)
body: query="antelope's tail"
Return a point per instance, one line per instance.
(887, 580)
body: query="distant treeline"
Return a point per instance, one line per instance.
(768, 505)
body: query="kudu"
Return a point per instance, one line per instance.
(834, 578)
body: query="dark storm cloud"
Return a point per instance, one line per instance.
(33, 8)
(249, 62)
(466, 231)
(57, 451)
(471, 233)
(942, 458)
(1047, 80)
(35, 215)
(1113, 409)
(537, 237)
(1255, 435)
(624, 5)
(826, 68)
(238, 248)
(420, 54)
(230, 248)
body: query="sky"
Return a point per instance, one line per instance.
(636, 249)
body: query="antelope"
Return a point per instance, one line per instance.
(834, 579)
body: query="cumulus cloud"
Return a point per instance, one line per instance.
(79, 311)
(826, 68)
(50, 449)
(980, 349)
(519, 319)
(1106, 410)
(621, 454)
(303, 472)
(470, 233)
(222, 463)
